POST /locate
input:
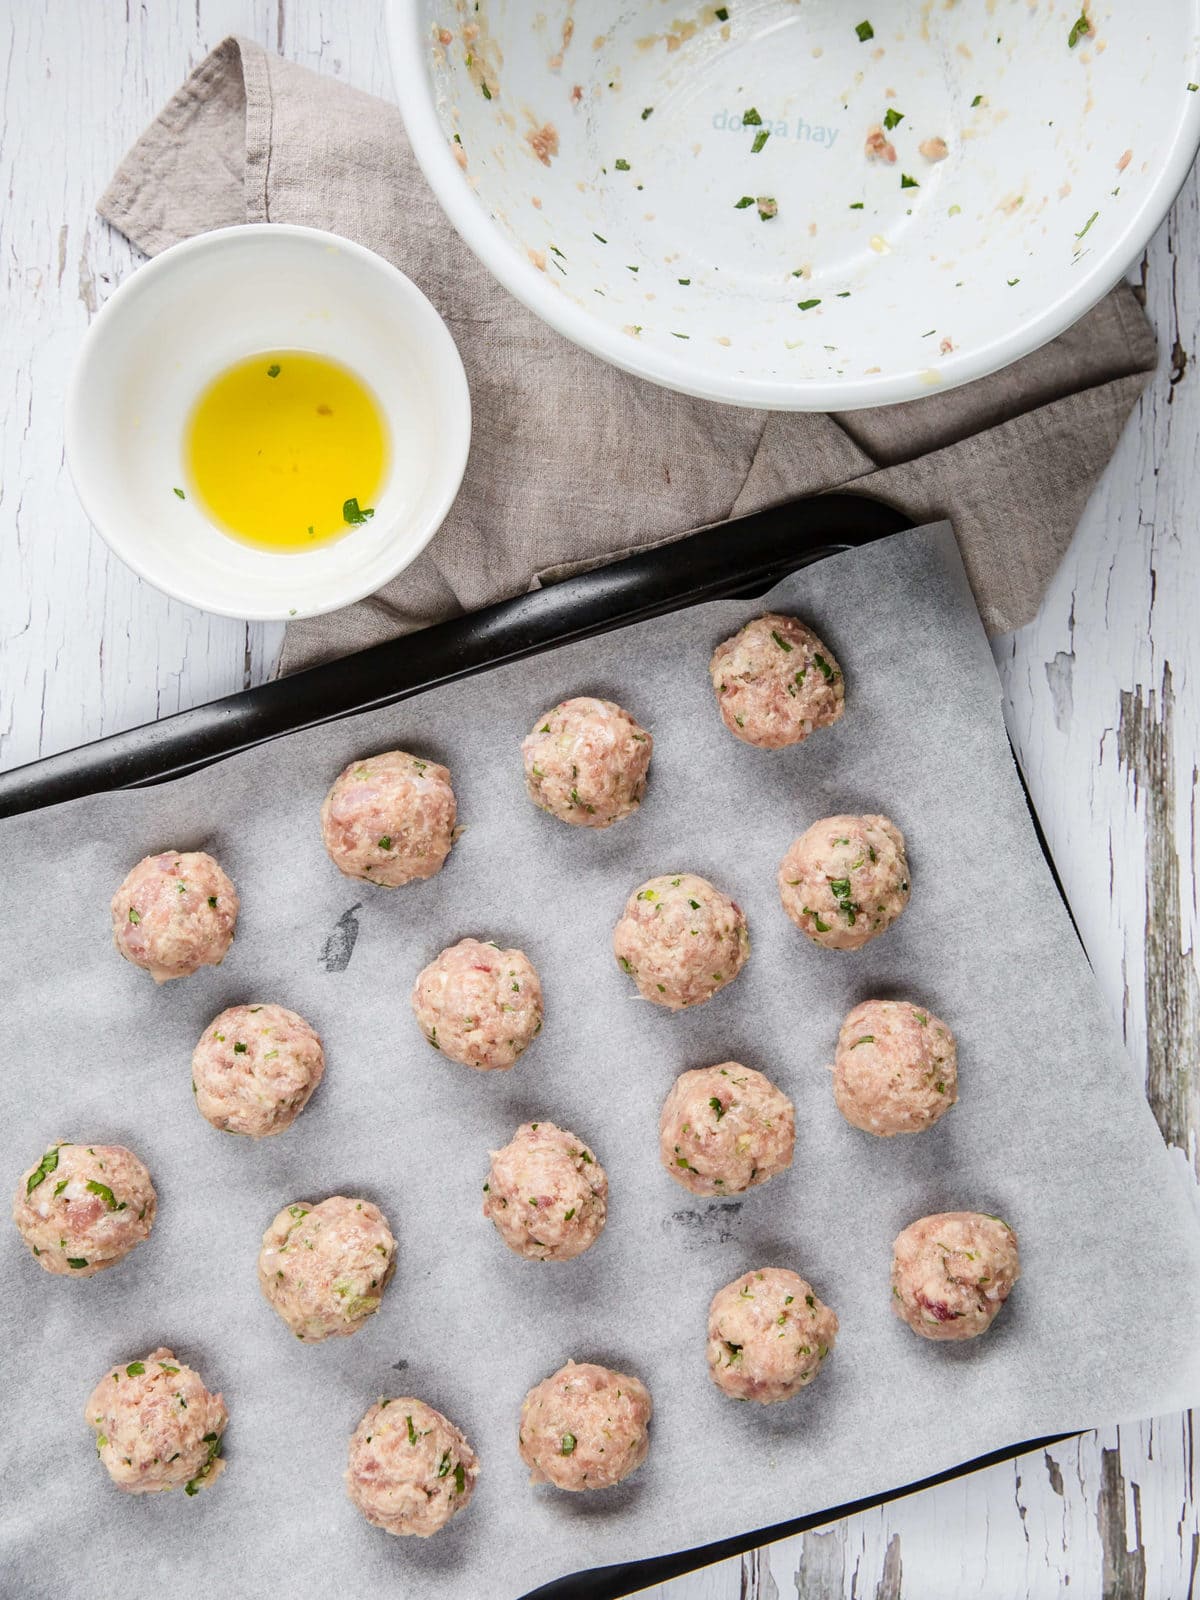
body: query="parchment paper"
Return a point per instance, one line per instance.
(1051, 1132)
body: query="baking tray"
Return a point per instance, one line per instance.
(739, 558)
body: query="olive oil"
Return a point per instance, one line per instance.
(287, 450)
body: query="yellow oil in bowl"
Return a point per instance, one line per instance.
(286, 450)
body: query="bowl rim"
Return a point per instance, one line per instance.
(422, 529)
(470, 219)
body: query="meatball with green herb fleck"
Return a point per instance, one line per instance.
(410, 1469)
(585, 1427)
(776, 683)
(83, 1207)
(681, 940)
(157, 1426)
(174, 913)
(546, 1193)
(479, 1005)
(324, 1267)
(255, 1069)
(896, 1069)
(725, 1129)
(768, 1334)
(586, 762)
(845, 881)
(952, 1272)
(390, 819)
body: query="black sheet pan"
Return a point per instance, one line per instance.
(743, 557)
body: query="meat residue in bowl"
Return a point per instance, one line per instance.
(543, 142)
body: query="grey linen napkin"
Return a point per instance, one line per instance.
(572, 462)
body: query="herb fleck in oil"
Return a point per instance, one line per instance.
(287, 450)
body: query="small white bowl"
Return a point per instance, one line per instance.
(200, 307)
(597, 158)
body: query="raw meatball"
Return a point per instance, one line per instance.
(776, 683)
(586, 762)
(479, 1004)
(324, 1268)
(390, 819)
(724, 1129)
(174, 914)
(767, 1335)
(681, 940)
(255, 1069)
(546, 1193)
(83, 1207)
(896, 1069)
(410, 1469)
(845, 880)
(585, 1427)
(157, 1426)
(951, 1273)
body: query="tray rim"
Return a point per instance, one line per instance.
(730, 559)
(724, 559)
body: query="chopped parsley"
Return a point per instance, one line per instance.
(1079, 28)
(781, 642)
(385, 841)
(978, 101)
(867, 1038)
(821, 927)
(568, 1444)
(239, 1049)
(213, 1441)
(865, 31)
(827, 671)
(744, 202)
(355, 514)
(76, 1261)
(444, 1465)
(751, 119)
(760, 139)
(179, 494)
(840, 889)
(806, 305)
(42, 1171)
(892, 118)
(621, 164)
(486, 92)
(647, 113)
(134, 916)
(856, 205)
(106, 1194)
(908, 183)
(412, 1432)
(273, 370)
(460, 1479)
(717, 1108)
(722, 13)
(1087, 224)
(135, 1369)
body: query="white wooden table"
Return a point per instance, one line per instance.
(1099, 698)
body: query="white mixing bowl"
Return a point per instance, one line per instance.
(599, 159)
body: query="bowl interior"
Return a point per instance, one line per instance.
(194, 311)
(624, 155)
